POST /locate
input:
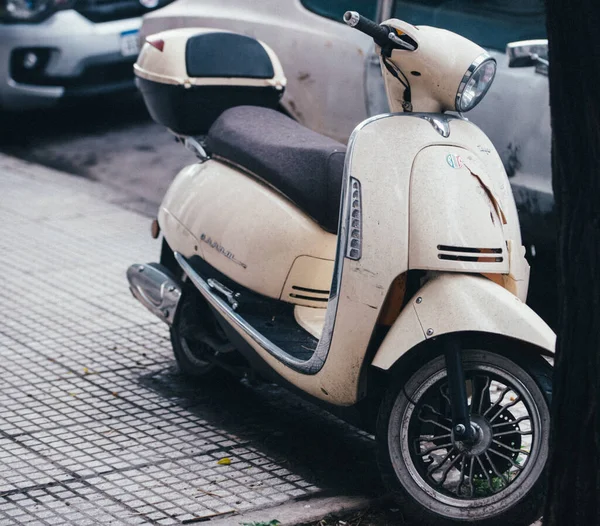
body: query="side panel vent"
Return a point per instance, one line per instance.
(470, 254)
(354, 243)
(304, 293)
(308, 282)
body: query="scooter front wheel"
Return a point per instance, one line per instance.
(498, 478)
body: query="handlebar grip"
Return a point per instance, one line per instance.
(378, 33)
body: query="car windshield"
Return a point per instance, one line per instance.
(489, 23)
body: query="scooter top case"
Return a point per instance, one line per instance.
(188, 77)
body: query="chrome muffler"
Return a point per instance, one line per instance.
(154, 287)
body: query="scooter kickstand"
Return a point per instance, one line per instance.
(461, 422)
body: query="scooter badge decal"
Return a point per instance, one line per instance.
(454, 161)
(219, 248)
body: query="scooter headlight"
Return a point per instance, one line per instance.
(475, 83)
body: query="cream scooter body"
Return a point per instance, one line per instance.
(406, 237)
(429, 186)
(412, 313)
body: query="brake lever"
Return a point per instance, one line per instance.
(399, 42)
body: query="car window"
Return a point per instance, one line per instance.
(335, 9)
(489, 23)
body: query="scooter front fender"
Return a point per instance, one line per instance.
(452, 303)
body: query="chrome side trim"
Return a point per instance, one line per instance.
(239, 323)
(154, 289)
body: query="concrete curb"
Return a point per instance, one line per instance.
(297, 512)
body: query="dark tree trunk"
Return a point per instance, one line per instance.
(574, 483)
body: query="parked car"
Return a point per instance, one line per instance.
(56, 49)
(320, 56)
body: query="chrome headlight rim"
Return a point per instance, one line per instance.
(479, 62)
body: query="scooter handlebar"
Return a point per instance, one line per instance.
(378, 33)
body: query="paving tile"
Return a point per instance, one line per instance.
(95, 426)
(71, 506)
(22, 468)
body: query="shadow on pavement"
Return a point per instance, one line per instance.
(307, 440)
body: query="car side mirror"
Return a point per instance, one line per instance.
(527, 53)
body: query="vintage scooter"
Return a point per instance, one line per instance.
(387, 278)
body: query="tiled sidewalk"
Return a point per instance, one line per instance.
(96, 426)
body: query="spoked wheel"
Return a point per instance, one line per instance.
(495, 478)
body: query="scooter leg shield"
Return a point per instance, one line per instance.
(451, 303)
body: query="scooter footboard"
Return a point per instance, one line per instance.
(451, 303)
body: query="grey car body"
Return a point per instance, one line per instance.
(56, 49)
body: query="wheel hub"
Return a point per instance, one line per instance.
(482, 439)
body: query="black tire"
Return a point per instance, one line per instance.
(191, 356)
(192, 313)
(411, 436)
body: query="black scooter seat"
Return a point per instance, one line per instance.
(303, 165)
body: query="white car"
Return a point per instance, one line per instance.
(321, 57)
(51, 50)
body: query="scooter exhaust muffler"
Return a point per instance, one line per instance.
(155, 288)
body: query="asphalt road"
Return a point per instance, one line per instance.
(110, 140)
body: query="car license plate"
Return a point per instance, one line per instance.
(130, 43)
